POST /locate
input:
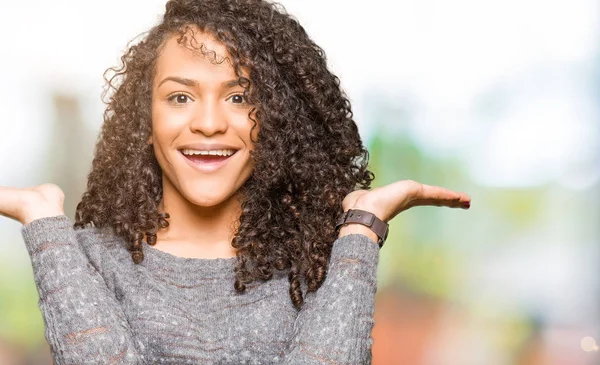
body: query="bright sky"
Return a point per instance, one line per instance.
(503, 84)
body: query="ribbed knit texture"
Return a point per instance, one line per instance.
(101, 308)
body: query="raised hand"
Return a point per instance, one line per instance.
(28, 204)
(388, 201)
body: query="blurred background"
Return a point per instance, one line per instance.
(499, 99)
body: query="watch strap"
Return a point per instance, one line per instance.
(367, 219)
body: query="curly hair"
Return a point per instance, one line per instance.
(308, 154)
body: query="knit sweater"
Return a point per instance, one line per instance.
(99, 307)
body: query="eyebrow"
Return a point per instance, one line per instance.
(193, 83)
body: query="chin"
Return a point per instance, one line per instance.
(205, 197)
(206, 202)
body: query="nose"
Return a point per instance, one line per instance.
(208, 119)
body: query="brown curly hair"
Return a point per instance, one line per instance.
(308, 154)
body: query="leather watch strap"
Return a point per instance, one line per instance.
(367, 219)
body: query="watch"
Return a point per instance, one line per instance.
(367, 219)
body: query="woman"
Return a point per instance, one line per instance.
(207, 233)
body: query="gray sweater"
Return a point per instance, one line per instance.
(101, 308)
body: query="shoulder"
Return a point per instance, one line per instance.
(96, 238)
(100, 244)
(97, 245)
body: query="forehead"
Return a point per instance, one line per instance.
(193, 53)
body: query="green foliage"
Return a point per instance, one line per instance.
(418, 251)
(21, 321)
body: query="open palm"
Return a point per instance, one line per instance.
(28, 204)
(388, 201)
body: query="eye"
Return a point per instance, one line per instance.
(179, 99)
(237, 99)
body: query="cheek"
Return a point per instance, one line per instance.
(163, 134)
(165, 126)
(243, 127)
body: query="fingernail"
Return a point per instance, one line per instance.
(467, 204)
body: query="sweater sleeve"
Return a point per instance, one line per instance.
(84, 323)
(334, 324)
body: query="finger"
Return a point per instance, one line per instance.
(10, 202)
(440, 196)
(430, 192)
(416, 190)
(440, 203)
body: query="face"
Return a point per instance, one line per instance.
(200, 124)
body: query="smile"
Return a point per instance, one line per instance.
(207, 161)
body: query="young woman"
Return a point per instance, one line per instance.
(207, 233)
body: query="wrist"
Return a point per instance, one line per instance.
(355, 228)
(41, 214)
(378, 228)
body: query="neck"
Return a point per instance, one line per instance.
(205, 228)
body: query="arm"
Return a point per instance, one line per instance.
(84, 323)
(334, 325)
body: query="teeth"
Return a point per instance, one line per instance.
(208, 153)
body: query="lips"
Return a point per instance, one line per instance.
(207, 163)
